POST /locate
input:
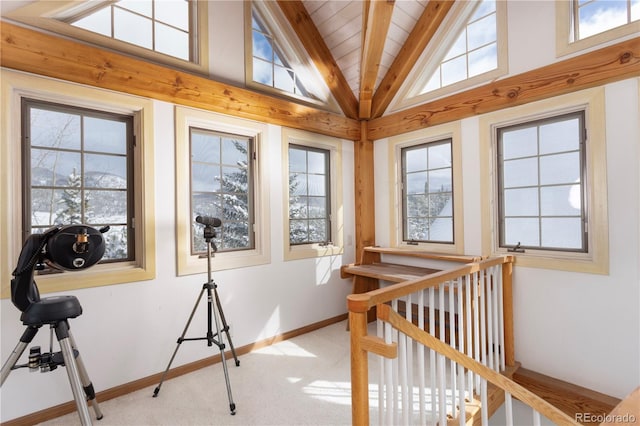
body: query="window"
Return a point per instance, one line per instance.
(582, 24)
(269, 67)
(172, 32)
(162, 26)
(541, 184)
(592, 17)
(312, 178)
(77, 169)
(474, 52)
(220, 173)
(88, 152)
(275, 60)
(222, 187)
(309, 195)
(427, 188)
(471, 51)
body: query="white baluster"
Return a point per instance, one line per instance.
(389, 379)
(432, 356)
(508, 408)
(501, 318)
(476, 326)
(497, 347)
(381, 375)
(483, 318)
(421, 366)
(469, 348)
(461, 396)
(536, 417)
(484, 401)
(452, 342)
(442, 374)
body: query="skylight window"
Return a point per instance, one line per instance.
(163, 26)
(474, 52)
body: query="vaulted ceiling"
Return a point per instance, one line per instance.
(365, 49)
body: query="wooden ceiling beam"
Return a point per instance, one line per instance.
(35, 52)
(422, 33)
(612, 63)
(314, 44)
(375, 26)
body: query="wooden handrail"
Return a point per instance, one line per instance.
(364, 301)
(462, 258)
(385, 313)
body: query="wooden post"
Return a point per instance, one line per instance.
(364, 192)
(507, 300)
(359, 369)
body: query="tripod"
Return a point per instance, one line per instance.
(211, 288)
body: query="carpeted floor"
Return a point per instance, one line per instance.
(301, 381)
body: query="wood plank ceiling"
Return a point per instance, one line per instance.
(365, 49)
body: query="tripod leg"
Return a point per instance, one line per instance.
(62, 333)
(225, 327)
(86, 382)
(180, 340)
(25, 339)
(232, 405)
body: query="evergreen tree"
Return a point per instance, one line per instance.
(71, 201)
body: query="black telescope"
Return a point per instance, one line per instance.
(209, 221)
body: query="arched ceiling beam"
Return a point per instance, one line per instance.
(310, 37)
(375, 26)
(422, 33)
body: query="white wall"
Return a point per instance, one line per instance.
(129, 331)
(578, 327)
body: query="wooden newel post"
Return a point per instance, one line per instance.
(359, 363)
(507, 300)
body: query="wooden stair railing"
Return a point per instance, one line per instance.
(474, 300)
(510, 388)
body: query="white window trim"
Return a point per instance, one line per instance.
(334, 146)
(596, 260)
(43, 14)
(194, 264)
(564, 32)
(432, 134)
(440, 44)
(15, 86)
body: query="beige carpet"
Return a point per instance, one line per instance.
(301, 381)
